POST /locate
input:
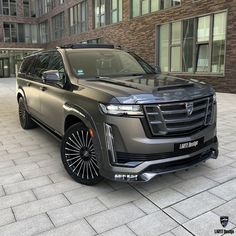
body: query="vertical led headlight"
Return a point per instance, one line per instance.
(110, 143)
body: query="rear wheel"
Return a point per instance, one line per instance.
(25, 118)
(78, 155)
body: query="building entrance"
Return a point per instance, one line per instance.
(4, 68)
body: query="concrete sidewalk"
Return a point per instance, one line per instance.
(38, 197)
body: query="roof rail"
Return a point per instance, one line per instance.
(83, 45)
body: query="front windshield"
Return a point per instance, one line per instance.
(106, 63)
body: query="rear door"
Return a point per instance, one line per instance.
(29, 84)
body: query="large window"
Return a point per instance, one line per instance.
(43, 32)
(8, 7)
(194, 45)
(29, 8)
(44, 6)
(10, 32)
(58, 26)
(107, 12)
(23, 33)
(78, 18)
(142, 7)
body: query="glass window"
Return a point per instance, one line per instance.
(26, 6)
(203, 58)
(34, 34)
(78, 18)
(165, 4)
(56, 63)
(218, 50)
(164, 47)
(27, 33)
(136, 8)
(33, 8)
(8, 7)
(155, 5)
(175, 59)
(106, 63)
(116, 11)
(176, 33)
(188, 45)
(58, 26)
(21, 33)
(43, 32)
(145, 6)
(142, 7)
(41, 64)
(10, 32)
(203, 30)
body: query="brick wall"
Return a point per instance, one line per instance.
(139, 34)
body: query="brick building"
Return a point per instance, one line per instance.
(189, 38)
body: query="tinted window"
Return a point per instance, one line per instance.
(26, 65)
(41, 64)
(56, 63)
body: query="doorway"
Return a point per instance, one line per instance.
(4, 67)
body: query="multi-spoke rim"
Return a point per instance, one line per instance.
(22, 113)
(80, 155)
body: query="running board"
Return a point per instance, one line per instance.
(47, 129)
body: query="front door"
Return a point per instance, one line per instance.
(52, 97)
(4, 68)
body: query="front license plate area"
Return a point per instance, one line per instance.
(189, 146)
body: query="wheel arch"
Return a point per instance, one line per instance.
(75, 114)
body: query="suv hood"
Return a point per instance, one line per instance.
(150, 88)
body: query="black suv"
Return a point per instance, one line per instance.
(116, 116)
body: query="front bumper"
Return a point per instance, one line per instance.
(156, 156)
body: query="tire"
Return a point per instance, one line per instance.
(78, 155)
(24, 117)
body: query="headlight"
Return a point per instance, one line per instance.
(119, 110)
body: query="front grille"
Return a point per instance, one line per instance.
(173, 118)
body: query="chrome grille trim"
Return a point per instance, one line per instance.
(172, 118)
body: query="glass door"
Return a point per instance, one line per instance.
(4, 67)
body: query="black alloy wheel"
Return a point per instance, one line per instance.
(24, 117)
(78, 155)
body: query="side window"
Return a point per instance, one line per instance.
(26, 65)
(56, 63)
(41, 65)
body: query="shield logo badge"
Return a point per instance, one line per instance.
(224, 220)
(189, 108)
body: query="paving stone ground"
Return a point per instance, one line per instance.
(37, 197)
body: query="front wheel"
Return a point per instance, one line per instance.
(78, 155)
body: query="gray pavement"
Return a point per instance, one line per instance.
(37, 197)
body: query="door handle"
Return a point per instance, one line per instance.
(43, 88)
(28, 84)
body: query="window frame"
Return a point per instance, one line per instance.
(107, 13)
(77, 27)
(150, 7)
(9, 7)
(60, 30)
(195, 47)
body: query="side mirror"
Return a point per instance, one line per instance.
(157, 69)
(51, 76)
